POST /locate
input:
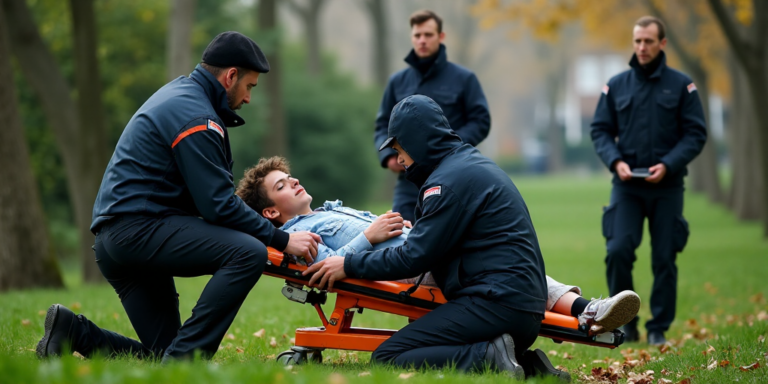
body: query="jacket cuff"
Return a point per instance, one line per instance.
(279, 240)
(359, 244)
(348, 269)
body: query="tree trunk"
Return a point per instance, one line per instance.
(81, 154)
(179, 48)
(704, 176)
(93, 154)
(26, 253)
(554, 129)
(380, 40)
(750, 46)
(746, 180)
(276, 139)
(310, 15)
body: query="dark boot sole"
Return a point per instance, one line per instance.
(621, 313)
(50, 322)
(543, 367)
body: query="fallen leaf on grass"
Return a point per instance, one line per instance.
(712, 364)
(567, 356)
(684, 381)
(336, 378)
(361, 374)
(724, 363)
(76, 306)
(761, 339)
(757, 298)
(691, 323)
(293, 340)
(78, 355)
(260, 333)
(632, 363)
(230, 336)
(239, 350)
(83, 370)
(711, 349)
(26, 322)
(406, 376)
(762, 316)
(552, 353)
(664, 381)
(710, 288)
(42, 312)
(665, 372)
(115, 316)
(639, 378)
(273, 343)
(750, 367)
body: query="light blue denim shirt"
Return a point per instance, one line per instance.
(341, 229)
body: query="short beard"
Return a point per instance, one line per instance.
(231, 97)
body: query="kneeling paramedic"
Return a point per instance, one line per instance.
(167, 208)
(474, 234)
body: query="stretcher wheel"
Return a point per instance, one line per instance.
(300, 355)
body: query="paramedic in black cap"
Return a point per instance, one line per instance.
(167, 207)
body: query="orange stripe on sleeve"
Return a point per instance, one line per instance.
(188, 132)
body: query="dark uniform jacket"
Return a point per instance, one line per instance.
(647, 120)
(453, 87)
(173, 158)
(473, 230)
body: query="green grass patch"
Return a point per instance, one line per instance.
(721, 304)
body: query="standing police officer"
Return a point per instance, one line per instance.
(454, 88)
(649, 124)
(167, 208)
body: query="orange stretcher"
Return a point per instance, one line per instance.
(354, 295)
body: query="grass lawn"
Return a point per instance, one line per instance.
(721, 318)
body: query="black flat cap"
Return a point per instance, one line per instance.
(233, 49)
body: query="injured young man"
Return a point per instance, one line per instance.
(270, 190)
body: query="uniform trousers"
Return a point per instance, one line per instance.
(139, 256)
(623, 230)
(457, 334)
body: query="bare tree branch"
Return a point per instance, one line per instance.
(731, 30)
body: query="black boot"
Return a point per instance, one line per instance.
(536, 363)
(57, 337)
(501, 355)
(631, 335)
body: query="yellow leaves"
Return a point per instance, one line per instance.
(26, 322)
(406, 376)
(260, 333)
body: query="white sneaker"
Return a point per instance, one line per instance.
(605, 315)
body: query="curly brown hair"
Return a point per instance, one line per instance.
(251, 186)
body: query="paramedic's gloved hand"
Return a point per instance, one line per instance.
(327, 271)
(384, 228)
(303, 244)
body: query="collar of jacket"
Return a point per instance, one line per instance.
(440, 62)
(635, 64)
(217, 96)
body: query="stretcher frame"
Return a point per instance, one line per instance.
(355, 295)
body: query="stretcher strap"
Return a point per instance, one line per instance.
(414, 287)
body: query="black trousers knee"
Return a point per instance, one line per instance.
(623, 229)
(140, 256)
(457, 333)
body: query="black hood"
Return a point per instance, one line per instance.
(420, 127)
